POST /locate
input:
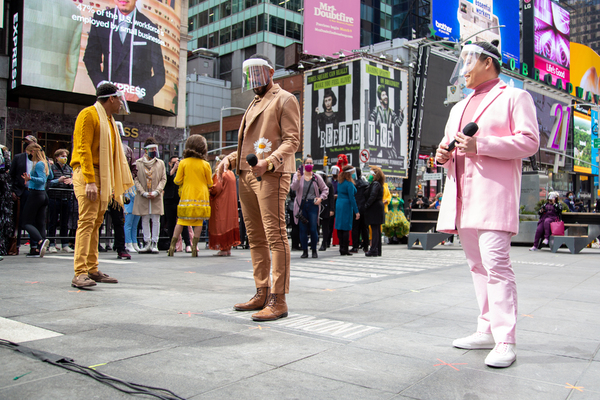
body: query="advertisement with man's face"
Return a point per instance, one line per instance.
(74, 47)
(357, 107)
(458, 20)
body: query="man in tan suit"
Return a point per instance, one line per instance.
(270, 129)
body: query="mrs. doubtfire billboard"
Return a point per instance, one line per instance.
(356, 106)
(74, 46)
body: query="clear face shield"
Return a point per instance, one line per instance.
(152, 151)
(257, 73)
(124, 109)
(466, 62)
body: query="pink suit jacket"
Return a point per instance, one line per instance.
(491, 189)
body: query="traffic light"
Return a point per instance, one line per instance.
(325, 159)
(431, 162)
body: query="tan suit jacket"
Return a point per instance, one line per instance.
(277, 120)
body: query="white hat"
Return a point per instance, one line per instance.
(335, 170)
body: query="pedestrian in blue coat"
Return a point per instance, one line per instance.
(345, 207)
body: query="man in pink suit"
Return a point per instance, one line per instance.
(482, 191)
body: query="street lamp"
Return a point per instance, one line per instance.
(221, 123)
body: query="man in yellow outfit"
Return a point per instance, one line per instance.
(100, 175)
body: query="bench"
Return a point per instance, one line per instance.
(581, 229)
(422, 229)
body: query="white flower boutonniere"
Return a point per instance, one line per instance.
(262, 145)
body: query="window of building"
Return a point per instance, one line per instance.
(293, 30)
(276, 25)
(295, 5)
(225, 66)
(250, 26)
(279, 57)
(249, 51)
(225, 9)
(237, 6)
(386, 21)
(202, 19)
(213, 14)
(212, 139)
(262, 23)
(202, 42)
(231, 137)
(237, 31)
(276, 2)
(225, 35)
(212, 40)
(191, 25)
(250, 3)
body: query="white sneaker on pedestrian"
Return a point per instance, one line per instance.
(154, 248)
(146, 248)
(503, 355)
(534, 248)
(129, 247)
(448, 243)
(67, 249)
(545, 241)
(52, 249)
(476, 341)
(136, 247)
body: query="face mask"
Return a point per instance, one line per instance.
(440, 199)
(354, 176)
(151, 154)
(571, 197)
(30, 157)
(370, 178)
(419, 195)
(308, 167)
(62, 160)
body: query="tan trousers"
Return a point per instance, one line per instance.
(263, 206)
(90, 219)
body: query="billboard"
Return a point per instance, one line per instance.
(331, 26)
(584, 73)
(356, 106)
(459, 19)
(74, 46)
(552, 54)
(582, 142)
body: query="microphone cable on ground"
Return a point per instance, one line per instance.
(70, 365)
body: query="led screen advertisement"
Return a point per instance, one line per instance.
(331, 26)
(582, 142)
(584, 73)
(551, 40)
(357, 108)
(459, 19)
(74, 46)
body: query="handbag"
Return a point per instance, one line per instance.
(557, 228)
(300, 216)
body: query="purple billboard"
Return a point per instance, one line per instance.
(552, 38)
(331, 27)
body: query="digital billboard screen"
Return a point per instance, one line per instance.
(74, 46)
(552, 40)
(582, 142)
(459, 19)
(331, 26)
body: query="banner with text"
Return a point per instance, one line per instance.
(331, 26)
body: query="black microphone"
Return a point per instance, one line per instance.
(469, 130)
(253, 160)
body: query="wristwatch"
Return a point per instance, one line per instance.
(270, 166)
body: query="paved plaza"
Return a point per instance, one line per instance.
(358, 328)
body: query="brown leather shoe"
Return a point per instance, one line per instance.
(277, 308)
(258, 302)
(102, 277)
(82, 281)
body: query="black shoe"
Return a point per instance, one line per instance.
(33, 253)
(107, 247)
(305, 254)
(370, 254)
(322, 248)
(101, 249)
(314, 254)
(353, 250)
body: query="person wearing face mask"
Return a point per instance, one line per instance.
(150, 183)
(310, 192)
(420, 202)
(570, 200)
(60, 196)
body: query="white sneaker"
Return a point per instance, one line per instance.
(154, 248)
(545, 241)
(67, 249)
(503, 355)
(146, 248)
(534, 248)
(52, 249)
(448, 244)
(476, 341)
(129, 248)
(136, 247)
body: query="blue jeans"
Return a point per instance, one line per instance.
(131, 228)
(311, 212)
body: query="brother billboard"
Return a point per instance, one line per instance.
(73, 47)
(331, 26)
(459, 19)
(358, 105)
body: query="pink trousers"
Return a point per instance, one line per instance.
(488, 256)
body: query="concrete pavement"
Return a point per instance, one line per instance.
(358, 327)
